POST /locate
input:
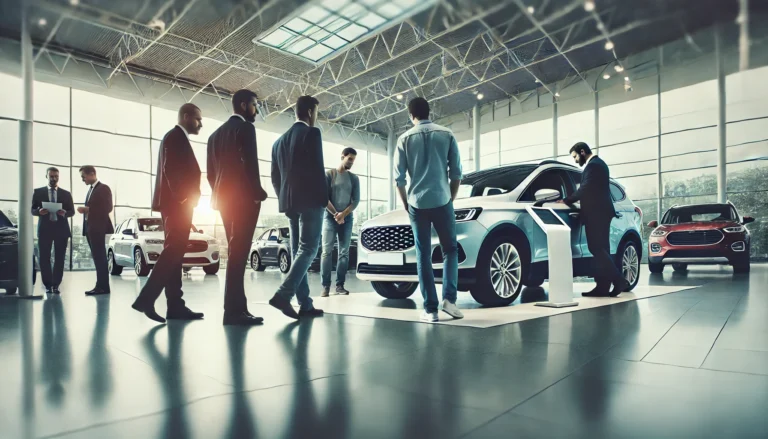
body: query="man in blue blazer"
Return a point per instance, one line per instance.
(52, 229)
(298, 175)
(597, 212)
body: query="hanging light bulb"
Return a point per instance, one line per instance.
(42, 22)
(531, 10)
(589, 5)
(399, 97)
(480, 96)
(606, 76)
(609, 45)
(626, 78)
(74, 2)
(557, 95)
(618, 68)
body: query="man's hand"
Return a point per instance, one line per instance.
(43, 212)
(560, 201)
(61, 213)
(83, 209)
(339, 217)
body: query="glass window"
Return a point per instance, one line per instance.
(361, 163)
(746, 95)
(11, 105)
(628, 121)
(90, 110)
(489, 150)
(9, 190)
(574, 128)
(114, 151)
(264, 142)
(163, 121)
(9, 132)
(616, 193)
(379, 166)
(132, 189)
(51, 144)
(553, 179)
(689, 107)
(51, 103)
(379, 189)
(331, 154)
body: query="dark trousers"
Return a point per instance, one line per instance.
(98, 245)
(167, 271)
(52, 278)
(239, 225)
(598, 241)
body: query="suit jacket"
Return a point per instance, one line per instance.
(100, 206)
(60, 227)
(233, 165)
(594, 192)
(298, 171)
(178, 174)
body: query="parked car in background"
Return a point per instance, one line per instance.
(138, 243)
(700, 234)
(9, 256)
(501, 248)
(273, 249)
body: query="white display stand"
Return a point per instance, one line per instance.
(560, 257)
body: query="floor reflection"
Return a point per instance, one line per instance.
(56, 352)
(100, 379)
(241, 423)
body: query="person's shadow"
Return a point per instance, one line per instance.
(241, 424)
(56, 356)
(169, 369)
(100, 378)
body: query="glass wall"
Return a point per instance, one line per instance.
(122, 139)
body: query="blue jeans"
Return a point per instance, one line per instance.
(305, 229)
(444, 221)
(332, 229)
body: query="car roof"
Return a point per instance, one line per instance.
(685, 206)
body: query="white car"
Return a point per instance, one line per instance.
(138, 242)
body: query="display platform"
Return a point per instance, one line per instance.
(374, 306)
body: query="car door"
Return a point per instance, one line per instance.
(269, 250)
(115, 239)
(624, 211)
(556, 179)
(126, 242)
(583, 247)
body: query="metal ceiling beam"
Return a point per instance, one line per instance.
(558, 47)
(619, 31)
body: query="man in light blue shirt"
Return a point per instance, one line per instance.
(430, 155)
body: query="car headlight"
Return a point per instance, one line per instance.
(463, 215)
(154, 241)
(212, 241)
(658, 233)
(737, 229)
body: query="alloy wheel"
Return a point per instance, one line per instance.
(255, 261)
(110, 262)
(506, 270)
(630, 264)
(137, 261)
(283, 262)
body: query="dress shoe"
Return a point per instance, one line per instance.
(326, 292)
(48, 290)
(96, 292)
(314, 312)
(242, 319)
(183, 313)
(56, 290)
(284, 306)
(619, 287)
(148, 310)
(596, 292)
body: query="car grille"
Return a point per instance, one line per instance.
(387, 239)
(695, 237)
(197, 246)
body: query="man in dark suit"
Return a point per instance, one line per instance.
(177, 191)
(52, 229)
(233, 172)
(97, 225)
(298, 175)
(597, 212)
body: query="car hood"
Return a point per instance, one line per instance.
(703, 225)
(400, 217)
(160, 235)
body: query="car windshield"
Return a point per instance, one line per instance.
(494, 181)
(694, 214)
(155, 225)
(4, 221)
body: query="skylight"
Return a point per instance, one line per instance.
(329, 26)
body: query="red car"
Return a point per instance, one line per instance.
(700, 234)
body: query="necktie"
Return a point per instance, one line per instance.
(52, 215)
(88, 197)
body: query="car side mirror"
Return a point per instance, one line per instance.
(546, 196)
(653, 224)
(128, 232)
(747, 220)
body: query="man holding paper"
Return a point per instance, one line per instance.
(54, 206)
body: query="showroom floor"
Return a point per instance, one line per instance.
(692, 363)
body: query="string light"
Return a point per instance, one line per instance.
(606, 76)
(557, 95)
(480, 96)
(618, 68)
(399, 97)
(42, 22)
(626, 78)
(531, 10)
(609, 45)
(589, 6)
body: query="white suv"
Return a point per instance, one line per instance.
(138, 242)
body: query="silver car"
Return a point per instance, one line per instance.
(501, 248)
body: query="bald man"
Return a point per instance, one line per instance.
(177, 191)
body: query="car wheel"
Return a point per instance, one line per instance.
(501, 267)
(533, 283)
(741, 267)
(11, 291)
(139, 264)
(655, 268)
(211, 269)
(284, 262)
(395, 290)
(680, 268)
(256, 262)
(629, 265)
(114, 269)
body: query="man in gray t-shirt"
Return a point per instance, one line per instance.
(343, 196)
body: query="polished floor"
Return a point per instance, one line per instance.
(687, 364)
